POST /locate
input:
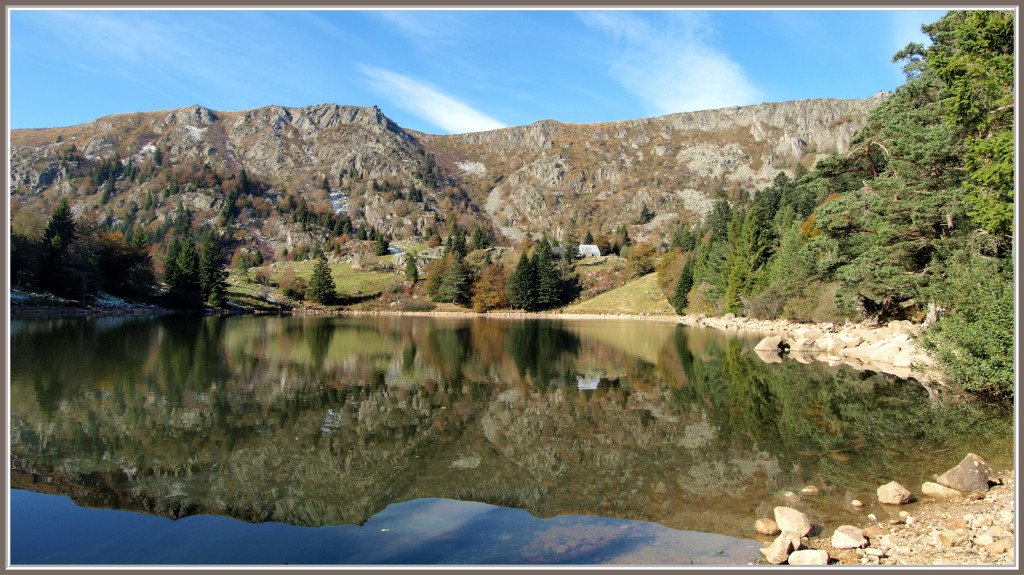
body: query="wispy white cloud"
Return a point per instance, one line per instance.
(427, 102)
(671, 63)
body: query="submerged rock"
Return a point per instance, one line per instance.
(894, 494)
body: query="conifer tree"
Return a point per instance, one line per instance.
(549, 289)
(455, 285)
(521, 288)
(411, 273)
(680, 295)
(212, 275)
(57, 239)
(321, 287)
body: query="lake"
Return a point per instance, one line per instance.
(398, 440)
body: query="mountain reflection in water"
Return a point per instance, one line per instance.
(326, 421)
(419, 532)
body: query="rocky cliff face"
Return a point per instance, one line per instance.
(519, 180)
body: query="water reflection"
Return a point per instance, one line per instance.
(327, 421)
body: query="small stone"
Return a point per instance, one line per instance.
(871, 551)
(848, 537)
(1005, 517)
(894, 494)
(952, 538)
(767, 526)
(792, 521)
(876, 531)
(857, 503)
(936, 490)
(810, 490)
(872, 517)
(809, 557)
(984, 539)
(1001, 545)
(980, 522)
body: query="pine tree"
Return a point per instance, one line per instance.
(186, 264)
(588, 239)
(321, 288)
(455, 285)
(521, 288)
(412, 274)
(479, 239)
(680, 295)
(549, 289)
(57, 239)
(212, 275)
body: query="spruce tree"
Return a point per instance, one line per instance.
(321, 288)
(521, 288)
(57, 238)
(684, 284)
(549, 289)
(412, 274)
(212, 275)
(456, 282)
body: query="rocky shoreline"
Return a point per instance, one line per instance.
(972, 523)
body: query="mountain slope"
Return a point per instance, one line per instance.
(355, 161)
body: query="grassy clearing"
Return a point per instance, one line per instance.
(640, 296)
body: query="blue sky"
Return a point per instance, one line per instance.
(447, 71)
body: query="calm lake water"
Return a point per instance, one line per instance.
(416, 441)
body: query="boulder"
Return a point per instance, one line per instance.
(778, 551)
(809, 557)
(1001, 545)
(894, 494)
(935, 490)
(770, 343)
(792, 521)
(971, 474)
(848, 537)
(767, 526)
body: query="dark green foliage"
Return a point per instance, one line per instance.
(973, 338)
(321, 288)
(456, 283)
(548, 286)
(57, 238)
(479, 240)
(412, 274)
(521, 288)
(684, 284)
(212, 275)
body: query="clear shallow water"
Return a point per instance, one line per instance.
(560, 441)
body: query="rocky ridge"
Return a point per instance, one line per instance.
(517, 180)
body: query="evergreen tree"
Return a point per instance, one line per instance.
(479, 239)
(521, 288)
(321, 288)
(212, 273)
(57, 238)
(383, 245)
(548, 287)
(455, 286)
(186, 264)
(588, 239)
(412, 274)
(684, 284)
(572, 246)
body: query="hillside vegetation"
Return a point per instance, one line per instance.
(896, 207)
